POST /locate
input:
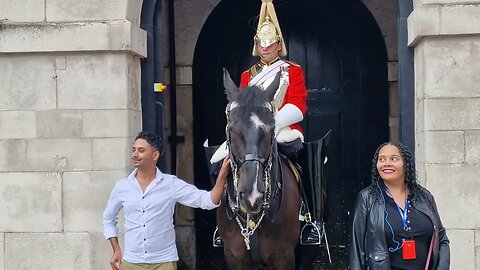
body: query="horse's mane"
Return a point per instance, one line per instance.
(250, 96)
(251, 99)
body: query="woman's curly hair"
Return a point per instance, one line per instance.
(411, 181)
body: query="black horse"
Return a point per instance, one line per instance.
(258, 217)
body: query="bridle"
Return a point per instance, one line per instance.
(248, 226)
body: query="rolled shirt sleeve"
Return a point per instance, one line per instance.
(110, 215)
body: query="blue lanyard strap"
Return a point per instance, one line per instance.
(403, 213)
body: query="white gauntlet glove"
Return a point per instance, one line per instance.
(286, 116)
(289, 114)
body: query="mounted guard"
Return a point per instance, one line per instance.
(290, 106)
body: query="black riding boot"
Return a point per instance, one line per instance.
(312, 186)
(213, 170)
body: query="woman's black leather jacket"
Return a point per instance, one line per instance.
(368, 247)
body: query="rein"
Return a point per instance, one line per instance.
(248, 224)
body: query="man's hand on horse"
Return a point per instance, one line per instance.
(222, 175)
(217, 191)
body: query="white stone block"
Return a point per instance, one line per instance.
(452, 67)
(27, 11)
(109, 123)
(73, 37)
(2, 251)
(419, 70)
(477, 251)
(423, 21)
(85, 10)
(419, 115)
(54, 37)
(460, 19)
(477, 238)
(462, 249)
(111, 153)
(445, 147)
(85, 196)
(103, 251)
(134, 76)
(13, 155)
(420, 166)
(17, 124)
(61, 62)
(456, 191)
(420, 144)
(134, 9)
(184, 75)
(27, 82)
(477, 248)
(452, 114)
(472, 147)
(30, 202)
(48, 251)
(93, 81)
(126, 36)
(59, 154)
(59, 124)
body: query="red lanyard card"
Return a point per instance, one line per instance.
(408, 250)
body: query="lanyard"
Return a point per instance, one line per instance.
(403, 213)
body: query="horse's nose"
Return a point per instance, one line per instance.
(255, 198)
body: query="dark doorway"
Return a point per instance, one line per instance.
(343, 54)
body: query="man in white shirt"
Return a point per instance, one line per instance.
(148, 199)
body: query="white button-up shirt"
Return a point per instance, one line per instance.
(149, 229)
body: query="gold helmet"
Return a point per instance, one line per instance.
(268, 29)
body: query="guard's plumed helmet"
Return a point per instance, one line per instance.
(268, 29)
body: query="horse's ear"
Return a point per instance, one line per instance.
(230, 87)
(272, 88)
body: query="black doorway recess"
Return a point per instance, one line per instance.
(342, 51)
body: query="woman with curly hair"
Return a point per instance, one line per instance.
(396, 224)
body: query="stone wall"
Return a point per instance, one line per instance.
(69, 109)
(70, 106)
(446, 38)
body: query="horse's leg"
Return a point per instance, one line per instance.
(234, 250)
(285, 261)
(234, 263)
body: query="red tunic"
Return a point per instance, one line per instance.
(296, 93)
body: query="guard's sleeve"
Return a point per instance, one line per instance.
(297, 91)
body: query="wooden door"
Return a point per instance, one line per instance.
(344, 59)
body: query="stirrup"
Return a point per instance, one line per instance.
(217, 239)
(311, 234)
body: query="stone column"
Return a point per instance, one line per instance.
(69, 109)
(446, 37)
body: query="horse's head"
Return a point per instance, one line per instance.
(251, 139)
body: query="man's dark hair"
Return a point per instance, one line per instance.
(153, 139)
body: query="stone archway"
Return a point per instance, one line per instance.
(340, 66)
